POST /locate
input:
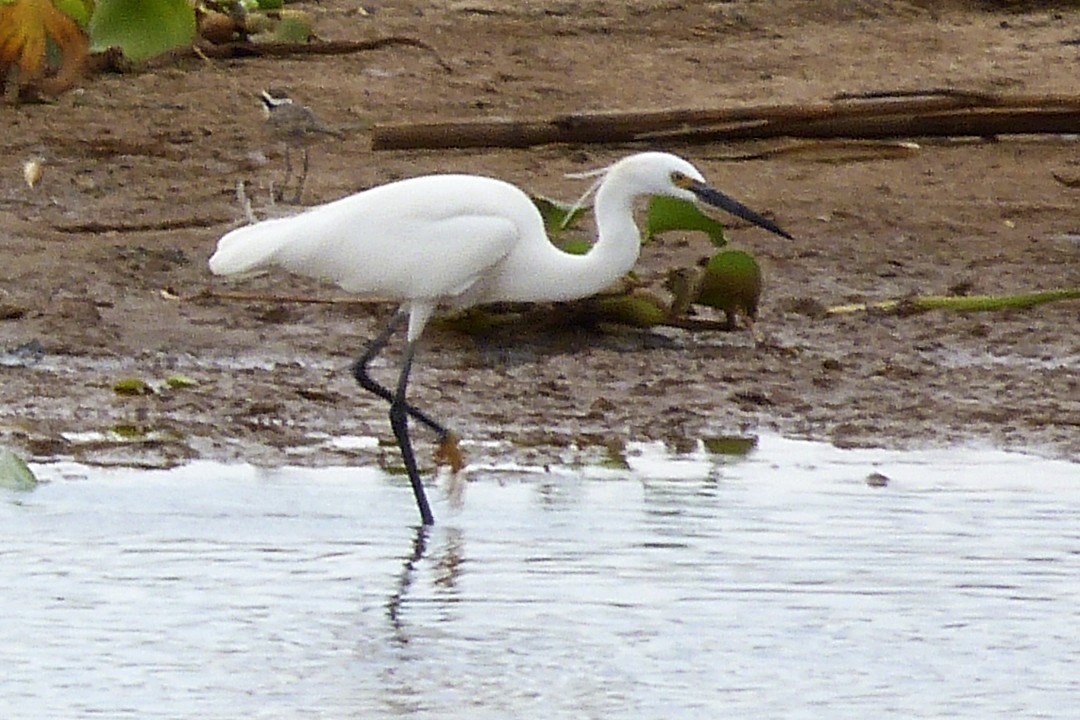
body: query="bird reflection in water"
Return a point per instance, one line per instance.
(447, 567)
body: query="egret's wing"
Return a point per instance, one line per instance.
(439, 259)
(433, 237)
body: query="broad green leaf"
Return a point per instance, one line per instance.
(732, 282)
(667, 213)
(142, 28)
(15, 474)
(78, 10)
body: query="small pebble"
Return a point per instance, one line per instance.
(876, 479)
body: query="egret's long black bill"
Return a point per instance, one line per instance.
(718, 199)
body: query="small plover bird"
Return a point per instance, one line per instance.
(295, 126)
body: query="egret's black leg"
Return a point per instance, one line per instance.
(360, 372)
(399, 421)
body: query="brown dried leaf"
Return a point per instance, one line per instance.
(26, 26)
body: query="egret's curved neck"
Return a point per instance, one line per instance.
(537, 270)
(618, 242)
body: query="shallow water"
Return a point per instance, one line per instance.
(779, 584)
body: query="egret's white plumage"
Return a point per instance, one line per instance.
(460, 240)
(455, 240)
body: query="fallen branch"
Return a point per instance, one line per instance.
(883, 115)
(113, 61)
(322, 47)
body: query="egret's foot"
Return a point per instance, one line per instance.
(449, 454)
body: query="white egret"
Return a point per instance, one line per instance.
(452, 241)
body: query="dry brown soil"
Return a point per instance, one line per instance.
(139, 185)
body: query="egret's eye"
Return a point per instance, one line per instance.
(681, 180)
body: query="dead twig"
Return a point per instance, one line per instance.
(150, 226)
(1069, 182)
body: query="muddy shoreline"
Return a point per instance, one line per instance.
(139, 185)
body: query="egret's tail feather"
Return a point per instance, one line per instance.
(250, 247)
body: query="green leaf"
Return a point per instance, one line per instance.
(734, 445)
(15, 474)
(132, 386)
(634, 310)
(667, 213)
(78, 10)
(127, 431)
(558, 216)
(180, 381)
(294, 27)
(142, 28)
(575, 245)
(732, 282)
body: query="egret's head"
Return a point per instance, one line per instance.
(661, 173)
(655, 173)
(684, 181)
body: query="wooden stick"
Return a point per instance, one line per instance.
(958, 123)
(113, 60)
(322, 47)
(940, 113)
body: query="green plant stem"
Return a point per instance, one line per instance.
(961, 303)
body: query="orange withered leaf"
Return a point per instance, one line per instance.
(27, 27)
